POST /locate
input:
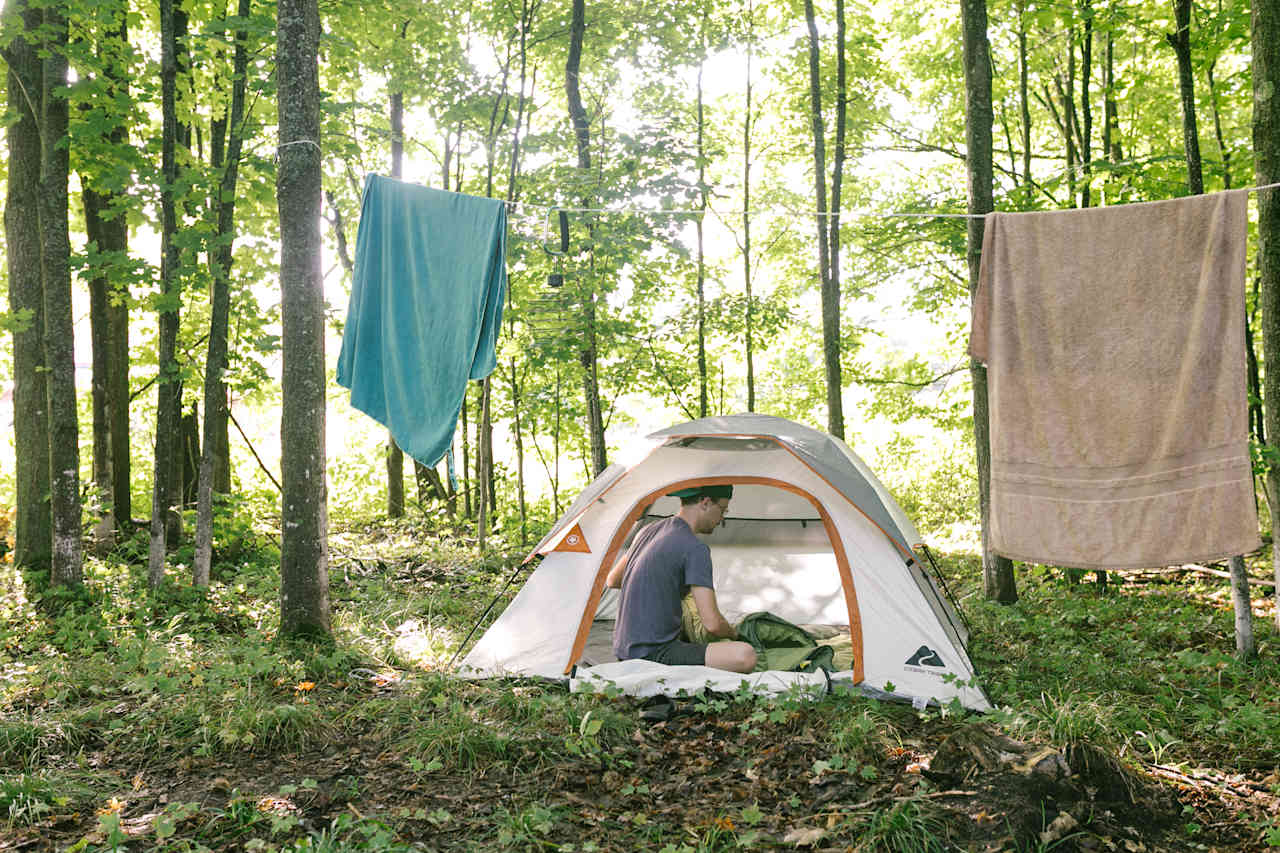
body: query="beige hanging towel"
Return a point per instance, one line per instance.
(1114, 340)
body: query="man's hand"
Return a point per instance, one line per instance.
(709, 612)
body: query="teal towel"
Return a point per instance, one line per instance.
(426, 305)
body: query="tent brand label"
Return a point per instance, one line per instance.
(924, 657)
(573, 541)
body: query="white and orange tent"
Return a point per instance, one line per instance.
(811, 535)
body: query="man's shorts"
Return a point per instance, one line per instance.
(679, 653)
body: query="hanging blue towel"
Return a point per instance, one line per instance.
(426, 306)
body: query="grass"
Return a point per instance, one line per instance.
(178, 721)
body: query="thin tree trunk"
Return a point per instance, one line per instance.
(1181, 43)
(1110, 111)
(304, 554)
(1069, 117)
(1086, 107)
(167, 381)
(702, 208)
(1266, 160)
(466, 457)
(59, 325)
(33, 530)
(830, 307)
(588, 356)
(482, 524)
(831, 294)
(108, 229)
(1223, 150)
(746, 218)
(395, 456)
(1024, 102)
(997, 571)
(1246, 647)
(215, 392)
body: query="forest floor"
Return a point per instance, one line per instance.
(177, 722)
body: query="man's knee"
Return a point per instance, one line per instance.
(734, 656)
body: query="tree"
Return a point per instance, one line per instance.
(997, 571)
(1266, 153)
(33, 526)
(104, 170)
(1180, 40)
(588, 355)
(168, 388)
(304, 553)
(59, 325)
(828, 229)
(214, 445)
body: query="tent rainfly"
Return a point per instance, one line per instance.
(812, 536)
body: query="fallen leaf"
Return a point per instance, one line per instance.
(804, 836)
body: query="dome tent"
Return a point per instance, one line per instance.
(811, 535)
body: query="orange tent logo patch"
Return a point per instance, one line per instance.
(573, 541)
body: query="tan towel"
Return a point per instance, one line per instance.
(1115, 344)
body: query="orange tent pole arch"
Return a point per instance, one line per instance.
(615, 545)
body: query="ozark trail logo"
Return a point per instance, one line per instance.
(925, 656)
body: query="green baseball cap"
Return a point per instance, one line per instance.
(713, 492)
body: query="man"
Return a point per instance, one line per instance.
(665, 561)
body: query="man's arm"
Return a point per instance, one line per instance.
(614, 579)
(709, 612)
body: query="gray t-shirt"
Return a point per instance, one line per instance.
(665, 560)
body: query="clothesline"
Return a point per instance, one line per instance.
(864, 213)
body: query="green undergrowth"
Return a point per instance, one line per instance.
(1147, 669)
(178, 720)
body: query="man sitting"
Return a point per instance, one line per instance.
(665, 561)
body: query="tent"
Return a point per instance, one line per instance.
(811, 535)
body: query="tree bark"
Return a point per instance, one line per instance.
(997, 571)
(1246, 647)
(59, 324)
(1266, 159)
(698, 223)
(33, 530)
(588, 356)
(1024, 102)
(1086, 106)
(831, 294)
(746, 217)
(830, 297)
(107, 228)
(215, 390)
(304, 554)
(167, 387)
(1180, 40)
(395, 456)
(107, 232)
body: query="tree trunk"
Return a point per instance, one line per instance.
(1181, 43)
(1246, 648)
(698, 223)
(831, 294)
(59, 324)
(395, 456)
(1266, 159)
(746, 218)
(1223, 150)
(997, 571)
(1110, 110)
(1086, 107)
(483, 464)
(588, 355)
(215, 391)
(466, 458)
(1024, 102)
(830, 300)
(167, 387)
(33, 531)
(304, 555)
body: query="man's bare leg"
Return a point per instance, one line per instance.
(732, 655)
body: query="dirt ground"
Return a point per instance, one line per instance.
(699, 781)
